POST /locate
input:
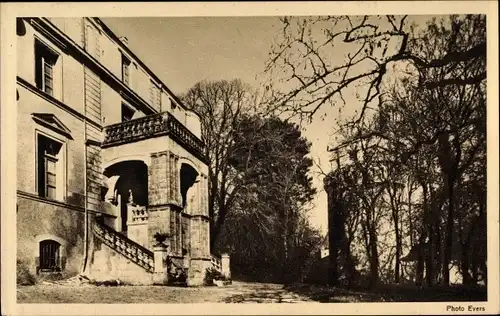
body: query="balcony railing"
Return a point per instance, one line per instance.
(150, 126)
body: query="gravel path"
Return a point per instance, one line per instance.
(238, 292)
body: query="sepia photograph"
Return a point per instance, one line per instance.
(302, 156)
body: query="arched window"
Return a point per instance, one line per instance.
(50, 256)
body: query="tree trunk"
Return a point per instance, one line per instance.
(374, 260)
(464, 265)
(397, 268)
(449, 232)
(285, 268)
(349, 263)
(395, 219)
(333, 240)
(212, 193)
(429, 247)
(484, 267)
(429, 262)
(439, 251)
(420, 261)
(216, 228)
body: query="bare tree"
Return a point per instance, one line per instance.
(220, 105)
(322, 57)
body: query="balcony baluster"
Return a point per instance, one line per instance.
(153, 126)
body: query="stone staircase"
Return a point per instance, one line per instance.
(131, 250)
(120, 258)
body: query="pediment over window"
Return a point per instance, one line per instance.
(51, 121)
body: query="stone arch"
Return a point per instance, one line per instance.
(142, 157)
(42, 237)
(188, 177)
(191, 162)
(127, 187)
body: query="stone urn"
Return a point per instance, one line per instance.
(160, 239)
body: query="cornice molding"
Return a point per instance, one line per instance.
(70, 47)
(54, 39)
(47, 97)
(126, 49)
(34, 197)
(51, 121)
(205, 217)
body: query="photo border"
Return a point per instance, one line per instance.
(8, 118)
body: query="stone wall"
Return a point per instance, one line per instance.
(106, 264)
(38, 220)
(197, 271)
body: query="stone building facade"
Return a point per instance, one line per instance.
(108, 156)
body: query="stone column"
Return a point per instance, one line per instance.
(119, 226)
(111, 193)
(158, 195)
(204, 195)
(199, 190)
(225, 266)
(159, 178)
(160, 275)
(173, 172)
(200, 236)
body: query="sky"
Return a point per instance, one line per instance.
(183, 51)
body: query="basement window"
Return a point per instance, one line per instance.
(50, 256)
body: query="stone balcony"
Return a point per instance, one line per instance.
(155, 125)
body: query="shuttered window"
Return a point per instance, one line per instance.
(45, 60)
(48, 159)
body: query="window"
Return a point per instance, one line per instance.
(50, 257)
(45, 61)
(127, 113)
(48, 167)
(125, 70)
(173, 105)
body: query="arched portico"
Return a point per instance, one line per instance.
(127, 185)
(157, 168)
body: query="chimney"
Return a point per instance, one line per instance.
(124, 40)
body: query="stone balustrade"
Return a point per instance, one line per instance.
(154, 125)
(128, 248)
(139, 214)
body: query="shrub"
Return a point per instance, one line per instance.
(24, 277)
(177, 275)
(213, 274)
